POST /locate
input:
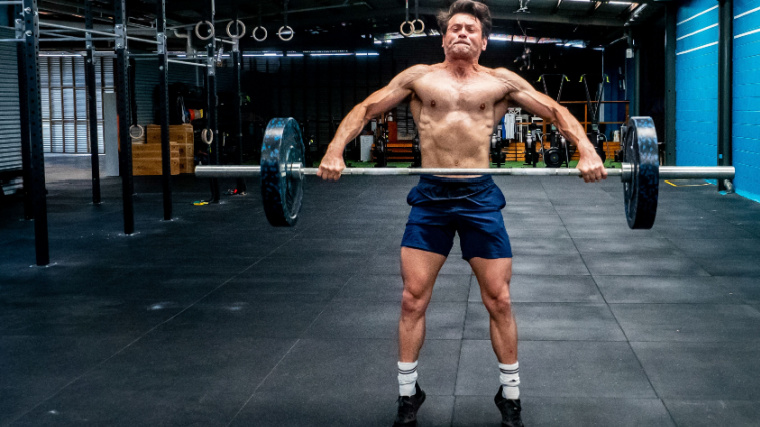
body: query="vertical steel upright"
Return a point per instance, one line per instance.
(237, 64)
(636, 91)
(34, 115)
(725, 86)
(122, 110)
(23, 91)
(212, 100)
(670, 83)
(92, 103)
(163, 107)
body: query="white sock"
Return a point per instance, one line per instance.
(509, 376)
(407, 378)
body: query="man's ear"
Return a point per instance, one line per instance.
(485, 42)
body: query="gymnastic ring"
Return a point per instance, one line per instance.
(238, 23)
(140, 131)
(283, 29)
(255, 30)
(414, 27)
(411, 28)
(198, 30)
(207, 136)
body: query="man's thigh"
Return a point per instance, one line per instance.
(494, 276)
(483, 235)
(419, 270)
(430, 229)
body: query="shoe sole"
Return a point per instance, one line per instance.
(413, 423)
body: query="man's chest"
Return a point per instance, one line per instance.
(449, 94)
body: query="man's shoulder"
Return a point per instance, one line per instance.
(412, 76)
(421, 69)
(509, 78)
(501, 73)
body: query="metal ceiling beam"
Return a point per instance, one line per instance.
(555, 9)
(399, 14)
(300, 11)
(504, 15)
(79, 6)
(594, 7)
(352, 14)
(69, 13)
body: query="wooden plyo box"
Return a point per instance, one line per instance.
(146, 159)
(182, 136)
(186, 158)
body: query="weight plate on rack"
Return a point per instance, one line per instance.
(641, 192)
(552, 158)
(281, 190)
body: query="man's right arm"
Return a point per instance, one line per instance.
(522, 93)
(379, 102)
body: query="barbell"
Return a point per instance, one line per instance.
(282, 172)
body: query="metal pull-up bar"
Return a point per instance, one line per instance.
(28, 39)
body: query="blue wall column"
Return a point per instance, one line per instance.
(697, 83)
(670, 83)
(746, 98)
(725, 79)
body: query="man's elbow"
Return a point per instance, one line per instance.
(368, 113)
(561, 113)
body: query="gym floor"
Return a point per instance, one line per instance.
(216, 318)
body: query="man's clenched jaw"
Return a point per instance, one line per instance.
(464, 37)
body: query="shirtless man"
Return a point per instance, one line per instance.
(455, 105)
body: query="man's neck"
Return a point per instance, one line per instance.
(461, 68)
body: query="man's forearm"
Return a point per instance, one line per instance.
(572, 130)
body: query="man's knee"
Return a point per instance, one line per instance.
(413, 304)
(498, 303)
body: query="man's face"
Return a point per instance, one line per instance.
(464, 37)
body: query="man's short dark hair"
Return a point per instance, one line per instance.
(470, 7)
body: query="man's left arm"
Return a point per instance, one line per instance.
(522, 93)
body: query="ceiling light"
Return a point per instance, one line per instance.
(620, 2)
(250, 55)
(500, 37)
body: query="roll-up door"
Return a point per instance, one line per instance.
(146, 82)
(64, 102)
(10, 128)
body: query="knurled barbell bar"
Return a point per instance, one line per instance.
(282, 172)
(625, 172)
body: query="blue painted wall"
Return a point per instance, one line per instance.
(746, 92)
(697, 89)
(697, 83)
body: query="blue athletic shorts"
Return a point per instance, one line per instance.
(471, 207)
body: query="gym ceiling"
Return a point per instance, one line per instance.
(597, 23)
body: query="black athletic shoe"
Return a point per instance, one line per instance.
(510, 410)
(407, 408)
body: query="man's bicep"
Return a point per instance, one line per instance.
(520, 92)
(385, 99)
(396, 91)
(535, 102)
